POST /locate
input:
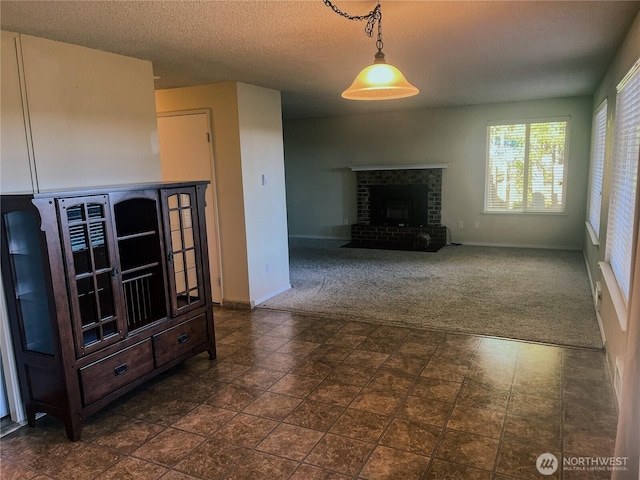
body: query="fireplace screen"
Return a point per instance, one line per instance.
(398, 205)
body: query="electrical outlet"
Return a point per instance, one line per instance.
(345, 221)
(267, 268)
(460, 224)
(476, 224)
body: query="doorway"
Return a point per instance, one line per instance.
(186, 153)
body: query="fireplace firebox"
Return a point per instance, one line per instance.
(399, 205)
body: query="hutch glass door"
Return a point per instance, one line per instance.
(93, 271)
(183, 246)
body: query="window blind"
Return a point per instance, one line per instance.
(599, 137)
(526, 167)
(624, 181)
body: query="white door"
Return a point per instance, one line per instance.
(186, 154)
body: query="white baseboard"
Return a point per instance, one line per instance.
(313, 241)
(520, 245)
(272, 294)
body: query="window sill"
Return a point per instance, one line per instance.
(520, 212)
(616, 296)
(592, 234)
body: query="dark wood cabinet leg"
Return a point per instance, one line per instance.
(31, 417)
(73, 429)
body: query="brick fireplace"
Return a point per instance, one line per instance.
(370, 232)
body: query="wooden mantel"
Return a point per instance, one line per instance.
(419, 166)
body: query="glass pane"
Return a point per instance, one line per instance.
(546, 166)
(100, 253)
(174, 220)
(105, 296)
(80, 248)
(135, 215)
(194, 296)
(186, 218)
(181, 285)
(505, 176)
(172, 200)
(87, 301)
(23, 231)
(178, 262)
(185, 200)
(176, 240)
(78, 235)
(75, 214)
(188, 238)
(108, 329)
(190, 257)
(95, 210)
(90, 336)
(192, 278)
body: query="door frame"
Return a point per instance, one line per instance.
(214, 186)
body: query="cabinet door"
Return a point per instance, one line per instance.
(92, 269)
(26, 281)
(182, 238)
(139, 238)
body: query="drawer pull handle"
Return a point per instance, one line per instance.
(183, 338)
(119, 370)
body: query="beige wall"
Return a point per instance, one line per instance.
(247, 141)
(222, 100)
(321, 190)
(616, 338)
(91, 117)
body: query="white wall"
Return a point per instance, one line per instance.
(15, 162)
(321, 189)
(261, 145)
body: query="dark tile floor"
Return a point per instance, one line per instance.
(297, 397)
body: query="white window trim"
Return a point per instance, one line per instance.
(619, 304)
(592, 234)
(566, 118)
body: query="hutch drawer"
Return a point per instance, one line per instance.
(115, 371)
(180, 339)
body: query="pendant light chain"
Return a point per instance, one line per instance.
(372, 17)
(379, 41)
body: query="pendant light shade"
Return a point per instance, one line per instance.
(380, 81)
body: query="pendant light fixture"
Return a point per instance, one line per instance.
(380, 81)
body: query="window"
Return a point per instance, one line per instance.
(598, 141)
(526, 167)
(624, 179)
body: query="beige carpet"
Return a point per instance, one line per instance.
(527, 294)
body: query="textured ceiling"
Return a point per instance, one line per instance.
(455, 52)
